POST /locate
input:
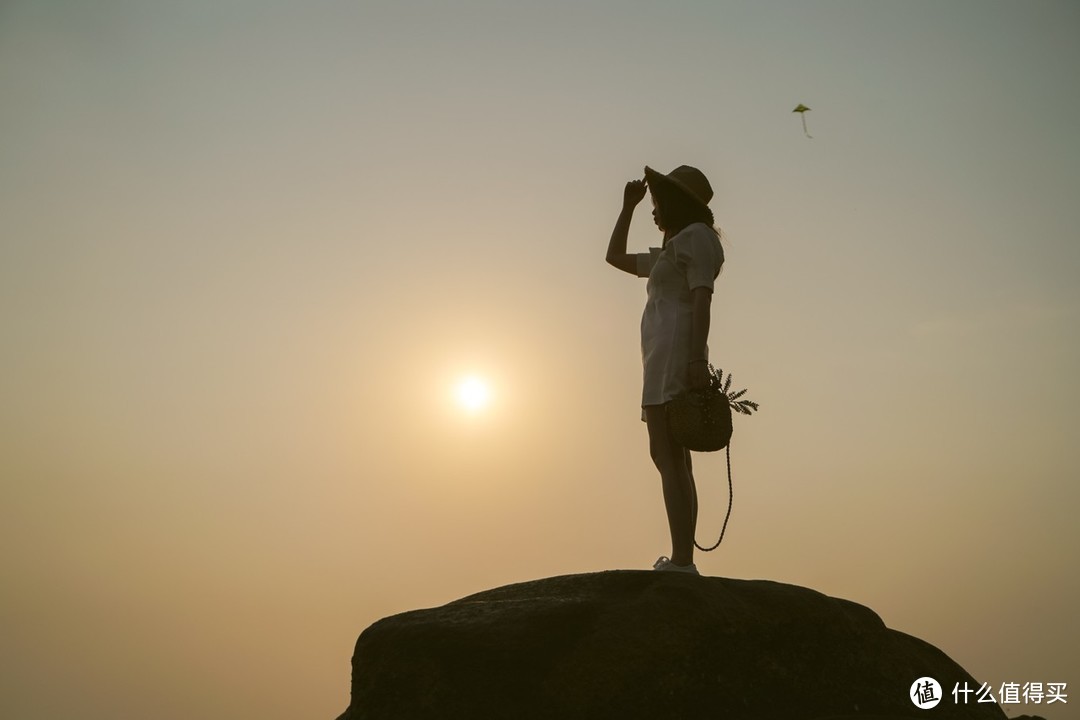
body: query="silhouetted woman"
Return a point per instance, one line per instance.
(674, 327)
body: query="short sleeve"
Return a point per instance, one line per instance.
(699, 255)
(645, 262)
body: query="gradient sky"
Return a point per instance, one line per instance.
(247, 249)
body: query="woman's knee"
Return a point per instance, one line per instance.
(666, 454)
(659, 442)
(660, 454)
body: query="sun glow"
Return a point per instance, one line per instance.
(473, 394)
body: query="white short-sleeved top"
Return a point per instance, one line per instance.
(690, 259)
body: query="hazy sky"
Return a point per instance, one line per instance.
(248, 250)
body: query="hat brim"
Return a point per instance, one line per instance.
(654, 178)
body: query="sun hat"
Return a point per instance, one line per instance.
(686, 179)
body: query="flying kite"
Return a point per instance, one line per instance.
(801, 109)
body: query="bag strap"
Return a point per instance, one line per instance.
(731, 498)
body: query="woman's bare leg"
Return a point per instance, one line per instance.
(693, 488)
(679, 492)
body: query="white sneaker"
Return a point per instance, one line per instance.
(663, 563)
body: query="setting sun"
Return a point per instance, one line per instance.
(473, 394)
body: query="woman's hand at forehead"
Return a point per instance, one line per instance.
(634, 193)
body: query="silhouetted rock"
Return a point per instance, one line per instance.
(645, 644)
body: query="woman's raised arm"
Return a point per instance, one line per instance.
(616, 251)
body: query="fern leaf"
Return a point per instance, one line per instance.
(738, 395)
(727, 384)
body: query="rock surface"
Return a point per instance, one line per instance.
(643, 644)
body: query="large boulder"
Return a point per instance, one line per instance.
(634, 644)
